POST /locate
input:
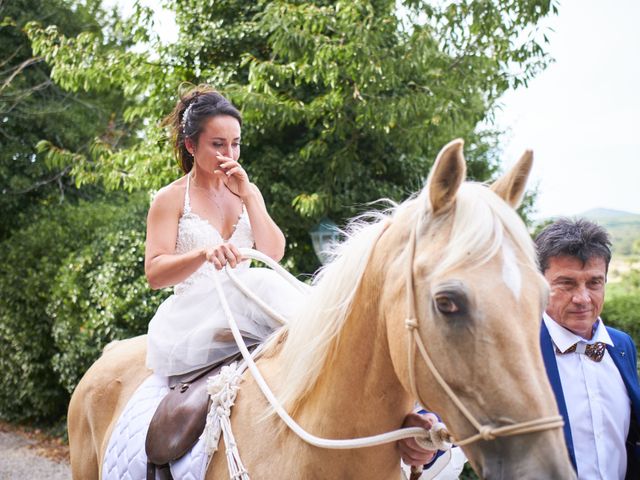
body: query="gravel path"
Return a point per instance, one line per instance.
(19, 461)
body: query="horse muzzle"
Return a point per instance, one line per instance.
(526, 457)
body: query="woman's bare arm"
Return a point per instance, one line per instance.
(163, 267)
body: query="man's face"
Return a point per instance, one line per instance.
(577, 292)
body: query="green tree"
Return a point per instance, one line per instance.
(101, 294)
(39, 225)
(621, 311)
(344, 102)
(34, 108)
(31, 259)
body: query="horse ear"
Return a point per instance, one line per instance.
(511, 186)
(446, 176)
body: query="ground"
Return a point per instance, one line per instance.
(31, 454)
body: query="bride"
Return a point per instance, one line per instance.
(195, 226)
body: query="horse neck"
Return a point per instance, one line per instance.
(358, 392)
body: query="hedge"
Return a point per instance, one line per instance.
(623, 312)
(72, 281)
(30, 260)
(101, 295)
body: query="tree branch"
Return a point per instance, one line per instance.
(56, 178)
(18, 69)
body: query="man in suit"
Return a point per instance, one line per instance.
(591, 367)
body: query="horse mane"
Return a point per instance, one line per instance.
(311, 333)
(478, 231)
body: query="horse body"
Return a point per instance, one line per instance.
(341, 369)
(98, 401)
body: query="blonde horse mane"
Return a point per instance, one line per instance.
(477, 234)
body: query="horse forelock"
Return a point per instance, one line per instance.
(482, 225)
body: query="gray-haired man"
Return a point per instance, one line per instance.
(591, 367)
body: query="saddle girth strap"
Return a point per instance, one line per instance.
(164, 472)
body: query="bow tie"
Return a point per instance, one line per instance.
(594, 351)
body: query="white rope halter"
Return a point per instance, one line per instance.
(485, 432)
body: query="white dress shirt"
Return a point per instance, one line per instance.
(597, 401)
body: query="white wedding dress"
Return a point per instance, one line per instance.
(190, 329)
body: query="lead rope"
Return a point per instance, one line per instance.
(485, 432)
(256, 255)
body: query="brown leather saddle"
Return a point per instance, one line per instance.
(180, 418)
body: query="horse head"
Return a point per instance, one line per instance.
(463, 279)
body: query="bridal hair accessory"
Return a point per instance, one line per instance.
(185, 116)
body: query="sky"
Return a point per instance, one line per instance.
(581, 116)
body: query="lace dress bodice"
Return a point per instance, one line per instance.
(190, 329)
(195, 232)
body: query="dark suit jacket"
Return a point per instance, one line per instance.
(624, 357)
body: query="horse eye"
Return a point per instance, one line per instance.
(450, 299)
(446, 305)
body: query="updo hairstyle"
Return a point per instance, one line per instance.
(188, 117)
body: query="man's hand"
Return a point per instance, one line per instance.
(410, 452)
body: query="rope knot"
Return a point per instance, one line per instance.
(411, 323)
(486, 432)
(436, 438)
(223, 411)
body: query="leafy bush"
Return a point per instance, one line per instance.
(468, 473)
(30, 259)
(623, 312)
(101, 295)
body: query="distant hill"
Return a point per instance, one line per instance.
(624, 228)
(607, 213)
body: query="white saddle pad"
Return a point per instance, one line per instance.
(125, 458)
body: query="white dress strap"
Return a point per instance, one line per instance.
(187, 201)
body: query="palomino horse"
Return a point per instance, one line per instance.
(341, 368)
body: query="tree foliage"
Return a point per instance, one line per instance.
(344, 102)
(33, 108)
(101, 295)
(621, 312)
(31, 259)
(622, 305)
